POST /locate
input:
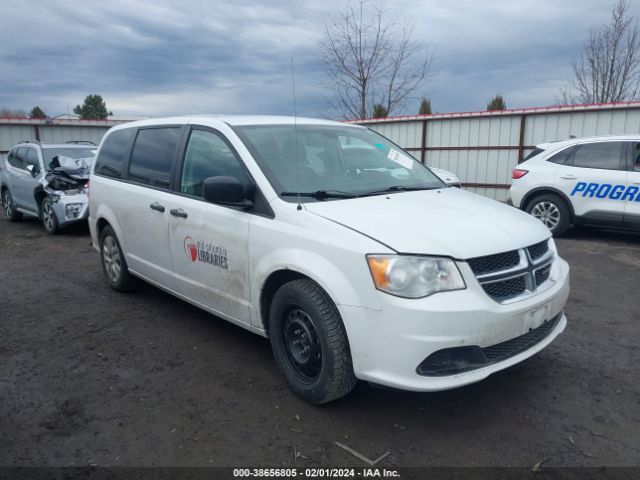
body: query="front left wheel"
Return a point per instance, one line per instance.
(309, 342)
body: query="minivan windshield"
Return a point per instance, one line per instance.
(320, 162)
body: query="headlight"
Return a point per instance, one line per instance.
(414, 277)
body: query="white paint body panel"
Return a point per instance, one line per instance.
(328, 242)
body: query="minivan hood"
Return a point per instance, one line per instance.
(447, 222)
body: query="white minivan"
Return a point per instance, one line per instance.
(353, 258)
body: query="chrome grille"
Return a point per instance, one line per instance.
(514, 274)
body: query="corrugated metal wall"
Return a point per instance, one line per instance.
(16, 130)
(483, 147)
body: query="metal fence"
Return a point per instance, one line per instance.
(483, 147)
(16, 130)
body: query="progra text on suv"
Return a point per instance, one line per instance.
(354, 259)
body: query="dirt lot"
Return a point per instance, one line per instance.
(90, 376)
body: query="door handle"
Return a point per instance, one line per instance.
(157, 207)
(178, 212)
(569, 177)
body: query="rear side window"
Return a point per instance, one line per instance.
(535, 152)
(605, 155)
(153, 154)
(113, 153)
(635, 158)
(562, 156)
(17, 158)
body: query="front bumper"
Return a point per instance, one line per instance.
(70, 208)
(389, 345)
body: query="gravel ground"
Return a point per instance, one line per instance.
(90, 376)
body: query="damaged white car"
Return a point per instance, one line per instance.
(48, 181)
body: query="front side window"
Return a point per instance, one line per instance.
(604, 155)
(208, 155)
(113, 153)
(333, 160)
(32, 159)
(153, 154)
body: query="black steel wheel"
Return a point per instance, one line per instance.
(309, 342)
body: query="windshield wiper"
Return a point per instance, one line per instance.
(396, 188)
(320, 194)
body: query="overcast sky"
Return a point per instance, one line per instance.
(187, 57)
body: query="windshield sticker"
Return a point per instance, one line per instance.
(206, 252)
(379, 146)
(400, 159)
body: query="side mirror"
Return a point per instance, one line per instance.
(32, 170)
(226, 191)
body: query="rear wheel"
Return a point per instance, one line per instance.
(9, 208)
(552, 211)
(114, 265)
(309, 342)
(48, 216)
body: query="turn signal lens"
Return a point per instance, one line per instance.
(518, 173)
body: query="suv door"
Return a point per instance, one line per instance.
(632, 196)
(209, 242)
(25, 187)
(15, 175)
(591, 179)
(144, 218)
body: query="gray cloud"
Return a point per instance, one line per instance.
(163, 57)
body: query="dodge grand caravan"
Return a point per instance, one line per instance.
(354, 259)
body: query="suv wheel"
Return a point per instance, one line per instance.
(9, 209)
(552, 211)
(114, 265)
(309, 342)
(48, 216)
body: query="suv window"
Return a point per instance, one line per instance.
(562, 156)
(535, 152)
(208, 155)
(153, 154)
(113, 153)
(605, 155)
(32, 159)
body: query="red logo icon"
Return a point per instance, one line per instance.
(191, 249)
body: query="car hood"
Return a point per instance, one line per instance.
(448, 222)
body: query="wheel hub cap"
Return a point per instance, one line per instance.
(547, 213)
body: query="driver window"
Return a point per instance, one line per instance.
(32, 159)
(208, 155)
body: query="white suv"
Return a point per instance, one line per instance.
(590, 181)
(353, 258)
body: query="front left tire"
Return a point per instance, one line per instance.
(309, 342)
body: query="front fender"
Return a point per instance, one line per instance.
(354, 289)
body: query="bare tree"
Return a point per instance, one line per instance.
(12, 113)
(370, 61)
(608, 69)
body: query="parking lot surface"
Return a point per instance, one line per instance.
(91, 376)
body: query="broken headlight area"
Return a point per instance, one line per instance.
(66, 174)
